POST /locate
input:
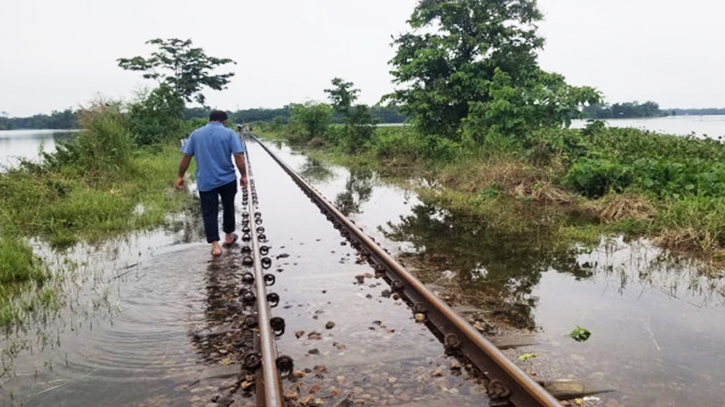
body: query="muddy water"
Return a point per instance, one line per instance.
(656, 320)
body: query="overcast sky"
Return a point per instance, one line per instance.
(57, 54)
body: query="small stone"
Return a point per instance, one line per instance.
(392, 379)
(317, 402)
(343, 243)
(314, 388)
(340, 379)
(320, 368)
(360, 278)
(298, 374)
(436, 373)
(306, 401)
(419, 317)
(314, 351)
(291, 395)
(329, 325)
(314, 335)
(368, 296)
(385, 294)
(396, 296)
(299, 334)
(246, 385)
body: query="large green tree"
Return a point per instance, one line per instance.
(182, 67)
(462, 55)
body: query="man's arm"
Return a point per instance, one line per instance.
(241, 166)
(183, 166)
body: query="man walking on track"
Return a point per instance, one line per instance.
(213, 146)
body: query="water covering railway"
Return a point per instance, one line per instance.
(161, 324)
(486, 367)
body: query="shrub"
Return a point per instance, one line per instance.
(595, 177)
(156, 116)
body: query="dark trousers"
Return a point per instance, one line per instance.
(210, 210)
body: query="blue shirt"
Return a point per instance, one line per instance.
(212, 146)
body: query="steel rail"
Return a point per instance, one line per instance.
(273, 396)
(507, 382)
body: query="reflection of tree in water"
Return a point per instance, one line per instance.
(504, 267)
(358, 190)
(315, 171)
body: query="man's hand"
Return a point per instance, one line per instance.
(243, 181)
(179, 182)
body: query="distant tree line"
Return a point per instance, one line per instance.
(623, 110)
(282, 115)
(698, 112)
(66, 119)
(647, 109)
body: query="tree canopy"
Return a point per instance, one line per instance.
(464, 58)
(182, 67)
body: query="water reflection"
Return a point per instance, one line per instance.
(316, 171)
(500, 270)
(358, 190)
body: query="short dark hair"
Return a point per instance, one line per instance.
(218, 116)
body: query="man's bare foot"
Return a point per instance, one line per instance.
(230, 239)
(216, 250)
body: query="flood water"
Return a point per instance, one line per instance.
(654, 318)
(129, 331)
(700, 126)
(26, 144)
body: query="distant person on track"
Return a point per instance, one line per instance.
(213, 146)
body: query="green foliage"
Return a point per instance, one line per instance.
(474, 62)
(182, 67)
(580, 334)
(358, 119)
(526, 356)
(544, 100)
(310, 120)
(18, 264)
(449, 59)
(623, 110)
(156, 116)
(594, 178)
(103, 147)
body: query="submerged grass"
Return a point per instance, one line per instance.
(93, 188)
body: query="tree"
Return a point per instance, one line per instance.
(358, 119)
(461, 55)
(310, 119)
(5, 123)
(185, 69)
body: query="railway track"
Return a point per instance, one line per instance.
(506, 384)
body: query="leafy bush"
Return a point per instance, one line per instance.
(595, 177)
(157, 116)
(310, 120)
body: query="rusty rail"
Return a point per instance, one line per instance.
(508, 384)
(270, 379)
